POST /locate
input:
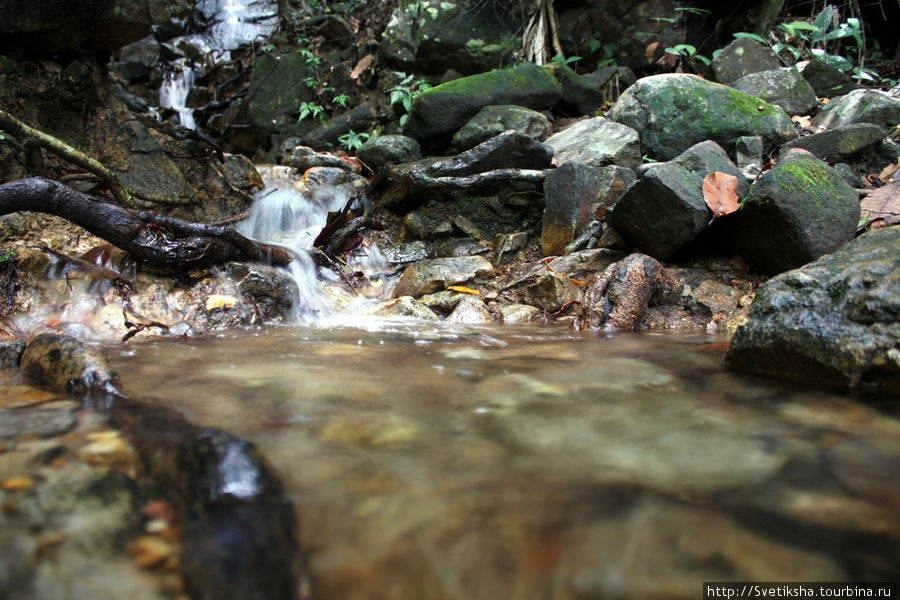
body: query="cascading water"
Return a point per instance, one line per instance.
(173, 93)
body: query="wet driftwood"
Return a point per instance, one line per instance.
(148, 237)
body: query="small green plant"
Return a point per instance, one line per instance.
(562, 60)
(312, 109)
(688, 53)
(7, 257)
(267, 48)
(647, 159)
(2, 137)
(353, 141)
(341, 99)
(407, 90)
(693, 10)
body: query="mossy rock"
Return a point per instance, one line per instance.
(278, 92)
(440, 111)
(782, 87)
(675, 111)
(860, 106)
(798, 211)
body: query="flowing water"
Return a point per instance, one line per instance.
(431, 461)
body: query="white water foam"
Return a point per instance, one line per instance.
(173, 93)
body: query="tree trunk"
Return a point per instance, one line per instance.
(152, 238)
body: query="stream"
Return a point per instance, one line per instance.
(433, 461)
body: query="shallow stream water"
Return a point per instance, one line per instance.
(429, 461)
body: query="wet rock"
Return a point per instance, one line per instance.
(615, 181)
(832, 322)
(433, 36)
(432, 275)
(570, 195)
(36, 422)
(275, 104)
(506, 244)
(64, 363)
(796, 212)
(388, 150)
(579, 265)
(826, 81)
(135, 60)
(302, 158)
(495, 119)
(10, 352)
(840, 143)
(860, 106)
(665, 209)
(272, 290)
(443, 302)
(579, 96)
(470, 310)
(519, 313)
(742, 57)
(849, 175)
(597, 142)
(618, 297)
(406, 306)
(673, 112)
(440, 111)
(327, 135)
(406, 253)
(784, 87)
(552, 291)
(509, 150)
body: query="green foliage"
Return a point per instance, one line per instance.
(312, 109)
(562, 60)
(267, 48)
(406, 91)
(7, 257)
(341, 99)
(693, 10)
(687, 52)
(353, 141)
(2, 137)
(647, 159)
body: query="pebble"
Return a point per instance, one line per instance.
(35, 422)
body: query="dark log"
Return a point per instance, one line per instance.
(151, 238)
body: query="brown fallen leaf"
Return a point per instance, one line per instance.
(882, 204)
(720, 193)
(888, 172)
(364, 63)
(463, 289)
(801, 121)
(650, 51)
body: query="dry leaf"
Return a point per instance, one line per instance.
(888, 172)
(720, 193)
(463, 289)
(802, 122)
(650, 50)
(668, 60)
(881, 204)
(364, 63)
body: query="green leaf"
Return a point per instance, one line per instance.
(702, 59)
(692, 10)
(751, 36)
(668, 20)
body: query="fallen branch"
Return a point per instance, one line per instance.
(152, 238)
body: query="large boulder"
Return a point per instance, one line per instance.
(436, 274)
(579, 96)
(841, 143)
(742, 57)
(860, 106)
(468, 36)
(826, 81)
(675, 111)
(495, 119)
(782, 87)
(798, 211)
(833, 322)
(278, 93)
(665, 209)
(597, 142)
(570, 193)
(46, 28)
(440, 111)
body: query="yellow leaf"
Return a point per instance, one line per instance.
(720, 193)
(464, 290)
(215, 301)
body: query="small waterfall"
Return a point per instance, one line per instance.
(290, 218)
(174, 91)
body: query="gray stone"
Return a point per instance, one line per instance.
(579, 96)
(675, 111)
(432, 275)
(552, 291)
(597, 142)
(748, 155)
(432, 36)
(36, 422)
(798, 211)
(615, 181)
(302, 158)
(495, 119)
(278, 92)
(508, 243)
(406, 253)
(833, 322)
(581, 264)
(470, 310)
(388, 150)
(10, 352)
(742, 57)
(519, 313)
(439, 112)
(849, 175)
(509, 150)
(406, 306)
(840, 143)
(271, 289)
(826, 81)
(784, 87)
(570, 193)
(860, 106)
(665, 209)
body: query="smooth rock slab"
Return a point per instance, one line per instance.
(782, 87)
(440, 111)
(840, 143)
(597, 142)
(833, 322)
(860, 106)
(494, 120)
(433, 275)
(675, 111)
(742, 57)
(387, 150)
(796, 212)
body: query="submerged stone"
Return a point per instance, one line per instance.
(833, 322)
